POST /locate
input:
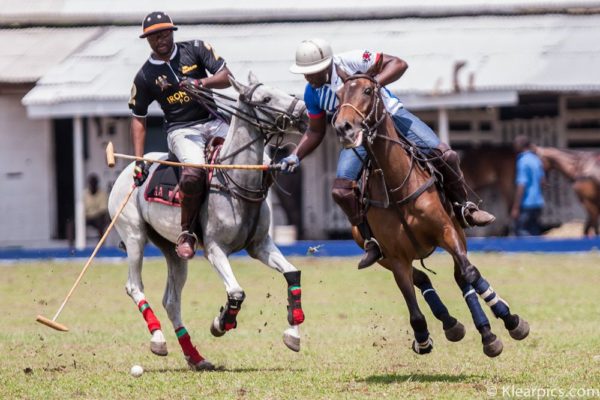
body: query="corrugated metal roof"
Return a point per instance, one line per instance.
(131, 12)
(27, 54)
(552, 52)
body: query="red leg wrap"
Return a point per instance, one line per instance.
(295, 313)
(186, 345)
(151, 320)
(233, 314)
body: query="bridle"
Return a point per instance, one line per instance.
(375, 117)
(284, 119)
(272, 122)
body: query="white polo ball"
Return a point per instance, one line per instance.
(137, 371)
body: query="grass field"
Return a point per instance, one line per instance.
(355, 340)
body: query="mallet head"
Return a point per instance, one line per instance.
(52, 324)
(110, 155)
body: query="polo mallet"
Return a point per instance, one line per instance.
(52, 322)
(111, 155)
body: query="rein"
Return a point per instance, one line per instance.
(275, 126)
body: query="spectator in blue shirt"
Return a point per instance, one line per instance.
(529, 199)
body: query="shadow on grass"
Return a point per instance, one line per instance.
(425, 378)
(220, 368)
(277, 369)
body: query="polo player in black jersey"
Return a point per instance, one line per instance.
(188, 124)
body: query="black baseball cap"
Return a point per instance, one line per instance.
(155, 22)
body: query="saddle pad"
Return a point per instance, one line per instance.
(162, 186)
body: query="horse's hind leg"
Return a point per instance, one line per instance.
(270, 255)
(453, 329)
(403, 276)
(517, 326)
(177, 275)
(172, 303)
(227, 318)
(135, 242)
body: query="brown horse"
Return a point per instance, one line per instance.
(582, 168)
(408, 217)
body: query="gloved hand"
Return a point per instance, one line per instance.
(140, 172)
(289, 164)
(186, 82)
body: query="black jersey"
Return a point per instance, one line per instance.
(159, 80)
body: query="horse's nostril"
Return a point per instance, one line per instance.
(347, 126)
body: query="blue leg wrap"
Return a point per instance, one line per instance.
(435, 303)
(498, 305)
(477, 313)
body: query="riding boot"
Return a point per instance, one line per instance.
(192, 190)
(345, 194)
(467, 212)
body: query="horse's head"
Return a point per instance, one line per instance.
(280, 111)
(361, 108)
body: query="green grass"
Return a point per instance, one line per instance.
(355, 340)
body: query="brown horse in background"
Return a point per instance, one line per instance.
(408, 216)
(582, 168)
(490, 169)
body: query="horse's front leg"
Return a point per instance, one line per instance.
(403, 276)
(227, 318)
(270, 255)
(135, 289)
(453, 329)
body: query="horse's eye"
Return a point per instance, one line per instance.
(267, 99)
(368, 91)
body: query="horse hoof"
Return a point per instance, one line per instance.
(456, 333)
(493, 349)
(159, 348)
(423, 348)
(291, 340)
(521, 331)
(215, 328)
(203, 365)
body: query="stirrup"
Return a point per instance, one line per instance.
(363, 262)
(463, 211)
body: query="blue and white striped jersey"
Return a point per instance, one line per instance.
(323, 100)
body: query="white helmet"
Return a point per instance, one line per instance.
(312, 56)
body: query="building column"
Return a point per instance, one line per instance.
(443, 125)
(79, 182)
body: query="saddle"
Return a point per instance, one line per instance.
(163, 185)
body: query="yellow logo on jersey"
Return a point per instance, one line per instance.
(178, 97)
(209, 48)
(187, 68)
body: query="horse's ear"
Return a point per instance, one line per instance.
(341, 73)
(377, 67)
(239, 87)
(252, 79)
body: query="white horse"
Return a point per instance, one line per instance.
(229, 222)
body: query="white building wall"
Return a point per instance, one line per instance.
(27, 192)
